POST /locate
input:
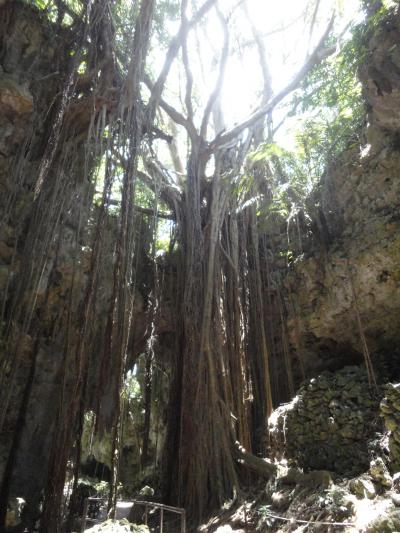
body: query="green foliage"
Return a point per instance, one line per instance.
(124, 13)
(330, 114)
(51, 9)
(264, 513)
(131, 389)
(99, 488)
(289, 183)
(331, 103)
(132, 395)
(163, 236)
(337, 500)
(168, 10)
(144, 196)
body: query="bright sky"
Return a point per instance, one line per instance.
(285, 26)
(286, 50)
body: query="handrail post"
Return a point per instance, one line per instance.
(183, 522)
(85, 511)
(152, 505)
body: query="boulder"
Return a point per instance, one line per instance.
(362, 488)
(379, 473)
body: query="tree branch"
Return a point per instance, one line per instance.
(315, 58)
(173, 113)
(140, 46)
(188, 72)
(156, 133)
(313, 21)
(168, 193)
(262, 467)
(220, 79)
(152, 213)
(172, 52)
(174, 149)
(267, 85)
(145, 210)
(262, 54)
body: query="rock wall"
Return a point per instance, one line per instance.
(355, 267)
(30, 55)
(390, 412)
(328, 424)
(34, 64)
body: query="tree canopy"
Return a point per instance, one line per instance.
(207, 119)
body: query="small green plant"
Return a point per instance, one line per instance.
(336, 500)
(264, 513)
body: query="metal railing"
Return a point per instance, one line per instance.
(147, 505)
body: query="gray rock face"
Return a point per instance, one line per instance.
(27, 55)
(362, 488)
(327, 425)
(380, 75)
(34, 63)
(379, 473)
(390, 412)
(358, 265)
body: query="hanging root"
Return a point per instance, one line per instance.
(262, 467)
(367, 357)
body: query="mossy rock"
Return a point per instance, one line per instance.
(362, 488)
(387, 522)
(391, 423)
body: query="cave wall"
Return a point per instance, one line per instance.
(35, 60)
(30, 55)
(359, 199)
(356, 264)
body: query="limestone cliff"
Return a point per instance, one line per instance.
(355, 268)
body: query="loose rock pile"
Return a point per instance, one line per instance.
(328, 424)
(390, 411)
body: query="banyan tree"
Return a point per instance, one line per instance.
(97, 124)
